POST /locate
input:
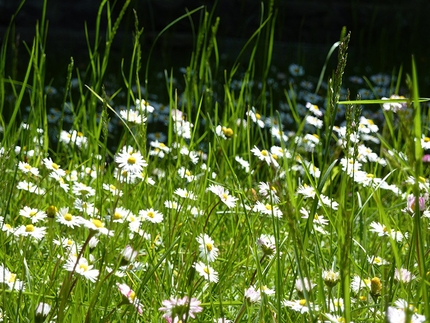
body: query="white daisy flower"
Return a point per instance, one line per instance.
(64, 217)
(208, 251)
(82, 267)
(34, 214)
(151, 215)
(130, 160)
(30, 230)
(206, 271)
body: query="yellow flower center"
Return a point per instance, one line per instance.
(112, 187)
(228, 132)
(55, 166)
(33, 213)
(27, 167)
(12, 278)
(151, 214)
(29, 228)
(224, 196)
(421, 179)
(69, 242)
(206, 270)
(264, 153)
(117, 216)
(68, 217)
(209, 246)
(84, 267)
(131, 295)
(131, 160)
(268, 207)
(187, 173)
(302, 302)
(97, 223)
(80, 134)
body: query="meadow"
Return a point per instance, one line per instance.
(239, 194)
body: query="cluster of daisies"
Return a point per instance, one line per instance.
(200, 191)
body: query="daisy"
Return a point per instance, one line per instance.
(30, 230)
(60, 180)
(223, 194)
(151, 215)
(30, 187)
(85, 207)
(394, 106)
(314, 109)
(184, 193)
(252, 295)
(280, 152)
(42, 311)
(64, 217)
(132, 116)
(265, 155)
(267, 244)
(206, 271)
(143, 106)
(49, 164)
(28, 169)
(34, 214)
(267, 209)
(357, 284)
(120, 214)
(160, 149)
(97, 226)
(268, 191)
(74, 137)
(176, 309)
(171, 204)
(304, 284)
(128, 255)
(208, 251)
(301, 306)
(314, 121)
(296, 70)
(278, 134)
(8, 278)
(112, 189)
(223, 132)
(398, 315)
(6, 227)
(255, 117)
(245, 165)
(185, 173)
(306, 191)
(130, 296)
(130, 161)
(403, 275)
(375, 260)
(82, 267)
(68, 244)
(81, 189)
(330, 277)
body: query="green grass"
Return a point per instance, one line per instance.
(311, 209)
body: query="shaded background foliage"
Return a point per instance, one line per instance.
(384, 33)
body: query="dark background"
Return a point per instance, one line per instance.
(384, 33)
